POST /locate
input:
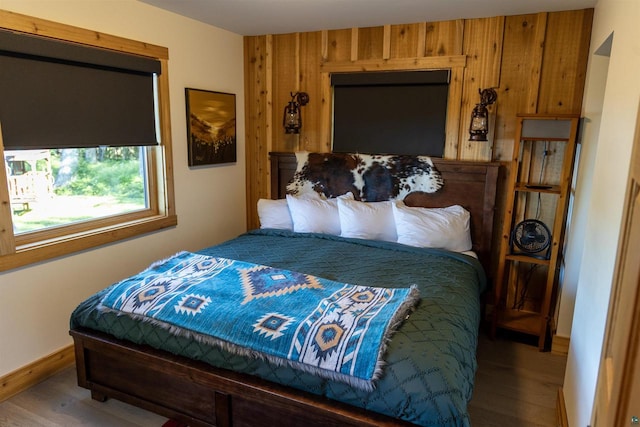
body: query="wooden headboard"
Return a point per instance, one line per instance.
(471, 185)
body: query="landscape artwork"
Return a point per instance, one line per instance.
(211, 127)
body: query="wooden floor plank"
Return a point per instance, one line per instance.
(60, 402)
(65, 410)
(515, 382)
(12, 415)
(133, 415)
(481, 417)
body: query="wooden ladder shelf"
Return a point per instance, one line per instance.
(538, 188)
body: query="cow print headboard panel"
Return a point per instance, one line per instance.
(370, 178)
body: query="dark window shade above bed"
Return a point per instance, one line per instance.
(57, 94)
(390, 112)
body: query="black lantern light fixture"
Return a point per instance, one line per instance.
(479, 127)
(292, 120)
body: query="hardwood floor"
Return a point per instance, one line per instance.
(59, 402)
(516, 385)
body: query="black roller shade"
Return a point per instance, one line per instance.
(57, 94)
(390, 112)
(390, 78)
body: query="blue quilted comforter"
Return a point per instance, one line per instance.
(428, 378)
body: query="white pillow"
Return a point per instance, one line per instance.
(367, 220)
(315, 215)
(444, 228)
(274, 214)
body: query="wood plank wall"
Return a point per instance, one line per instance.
(536, 63)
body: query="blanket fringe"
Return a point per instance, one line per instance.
(162, 261)
(402, 313)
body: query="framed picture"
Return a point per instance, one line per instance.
(211, 127)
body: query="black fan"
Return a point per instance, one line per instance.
(532, 237)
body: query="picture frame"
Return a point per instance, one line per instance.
(211, 127)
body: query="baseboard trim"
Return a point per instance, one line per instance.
(561, 410)
(560, 345)
(33, 373)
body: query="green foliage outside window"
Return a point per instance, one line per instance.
(110, 173)
(85, 183)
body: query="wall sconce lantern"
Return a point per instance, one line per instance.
(292, 120)
(479, 126)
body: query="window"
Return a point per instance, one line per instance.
(59, 187)
(94, 174)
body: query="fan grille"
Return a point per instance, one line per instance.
(531, 236)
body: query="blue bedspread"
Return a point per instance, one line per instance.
(430, 362)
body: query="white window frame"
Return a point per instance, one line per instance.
(20, 250)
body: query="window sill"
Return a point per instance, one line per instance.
(68, 244)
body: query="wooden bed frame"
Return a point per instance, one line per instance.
(198, 394)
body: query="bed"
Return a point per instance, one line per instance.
(430, 360)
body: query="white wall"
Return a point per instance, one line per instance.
(582, 189)
(607, 182)
(36, 301)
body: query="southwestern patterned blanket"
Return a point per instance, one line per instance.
(321, 326)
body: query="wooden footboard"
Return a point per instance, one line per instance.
(198, 394)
